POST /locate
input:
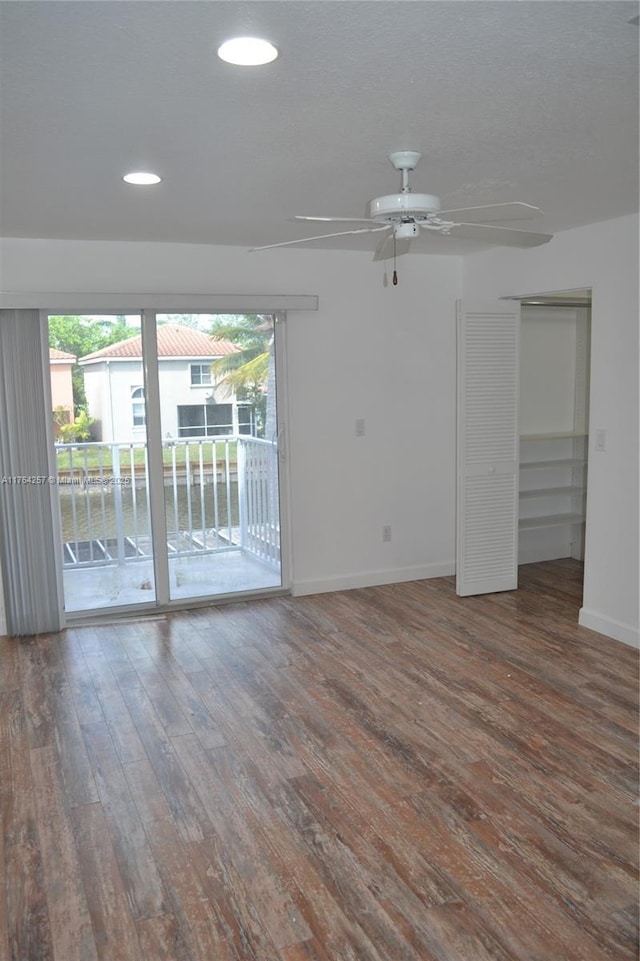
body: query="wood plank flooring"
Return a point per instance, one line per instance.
(384, 774)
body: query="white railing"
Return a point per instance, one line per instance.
(221, 494)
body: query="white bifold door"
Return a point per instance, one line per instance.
(487, 447)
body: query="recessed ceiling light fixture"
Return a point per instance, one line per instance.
(247, 51)
(141, 178)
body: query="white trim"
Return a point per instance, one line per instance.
(153, 425)
(91, 302)
(56, 518)
(625, 633)
(535, 555)
(284, 476)
(195, 359)
(373, 578)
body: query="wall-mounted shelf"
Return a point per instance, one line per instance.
(552, 464)
(553, 492)
(553, 468)
(562, 435)
(550, 520)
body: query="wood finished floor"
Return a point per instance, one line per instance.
(385, 774)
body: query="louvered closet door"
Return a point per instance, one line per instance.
(487, 475)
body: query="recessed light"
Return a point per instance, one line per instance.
(247, 51)
(141, 178)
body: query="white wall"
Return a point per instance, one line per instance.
(604, 257)
(382, 353)
(547, 369)
(387, 354)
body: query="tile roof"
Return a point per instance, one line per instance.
(55, 354)
(173, 341)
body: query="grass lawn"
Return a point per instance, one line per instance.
(71, 457)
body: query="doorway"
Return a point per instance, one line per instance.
(553, 425)
(501, 519)
(555, 360)
(168, 460)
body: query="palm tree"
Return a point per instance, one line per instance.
(250, 373)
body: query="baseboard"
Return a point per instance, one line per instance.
(606, 625)
(534, 555)
(372, 579)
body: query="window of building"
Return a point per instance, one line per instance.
(138, 407)
(200, 375)
(246, 419)
(204, 420)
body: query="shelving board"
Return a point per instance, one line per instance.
(546, 464)
(563, 435)
(550, 520)
(554, 491)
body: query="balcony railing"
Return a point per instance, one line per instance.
(221, 494)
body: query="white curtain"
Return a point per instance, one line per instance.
(29, 544)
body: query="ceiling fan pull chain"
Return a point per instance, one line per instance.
(395, 273)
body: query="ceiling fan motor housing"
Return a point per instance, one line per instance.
(406, 231)
(394, 208)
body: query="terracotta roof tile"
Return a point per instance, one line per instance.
(55, 354)
(173, 341)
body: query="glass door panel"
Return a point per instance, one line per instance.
(216, 377)
(99, 419)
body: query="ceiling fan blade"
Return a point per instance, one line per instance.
(504, 236)
(489, 212)
(343, 220)
(384, 250)
(307, 240)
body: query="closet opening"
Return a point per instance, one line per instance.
(555, 335)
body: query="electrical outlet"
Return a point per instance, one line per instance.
(600, 439)
(360, 427)
(386, 533)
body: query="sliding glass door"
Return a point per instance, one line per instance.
(220, 456)
(167, 457)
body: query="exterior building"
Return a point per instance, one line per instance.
(61, 366)
(192, 404)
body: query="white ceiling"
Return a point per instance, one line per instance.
(508, 100)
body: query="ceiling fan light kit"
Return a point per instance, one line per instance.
(406, 231)
(403, 215)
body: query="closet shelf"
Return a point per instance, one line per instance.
(550, 520)
(542, 464)
(553, 491)
(562, 435)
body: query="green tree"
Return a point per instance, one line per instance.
(81, 336)
(78, 430)
(248, 372)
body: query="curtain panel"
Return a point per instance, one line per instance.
(29, 544)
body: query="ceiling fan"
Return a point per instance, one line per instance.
(400, 217)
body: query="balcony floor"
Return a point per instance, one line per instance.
(227, 572)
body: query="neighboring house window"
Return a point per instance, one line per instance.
(138, 407)
(246, 419)
(200, 375)
(204, 420)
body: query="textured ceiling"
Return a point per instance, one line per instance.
(509, 100)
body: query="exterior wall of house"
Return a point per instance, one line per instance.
(109, 385)
(176, 390)
(61, 386)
